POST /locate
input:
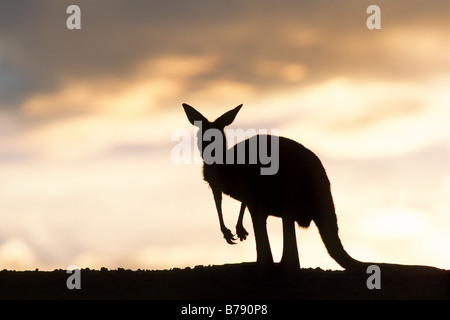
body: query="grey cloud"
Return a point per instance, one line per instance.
(38, 52)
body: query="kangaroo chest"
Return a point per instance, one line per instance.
(218, 177)
(237, 181)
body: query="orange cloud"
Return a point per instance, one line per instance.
(147, 88)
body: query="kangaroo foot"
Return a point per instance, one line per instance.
(241, 232)
(290, 264)
(229, 237)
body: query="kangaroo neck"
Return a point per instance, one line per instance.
(214, 155)
(212, 174)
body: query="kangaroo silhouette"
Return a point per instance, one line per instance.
(298, 192)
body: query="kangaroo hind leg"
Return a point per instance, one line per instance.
(263, 252)
(290, 258)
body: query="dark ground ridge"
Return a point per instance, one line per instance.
(245, 281)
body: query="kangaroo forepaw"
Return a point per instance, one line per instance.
(241, 232)
(229, 237)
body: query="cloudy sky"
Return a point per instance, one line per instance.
(87, 123)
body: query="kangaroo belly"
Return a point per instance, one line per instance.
(294, 189)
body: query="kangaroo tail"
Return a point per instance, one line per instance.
(328, 230)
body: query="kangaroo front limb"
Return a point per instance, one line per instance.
(240, 230)
(229, 237)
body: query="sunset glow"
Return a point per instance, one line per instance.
(87, 116)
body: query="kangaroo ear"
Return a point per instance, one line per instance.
(193, 115)
(228, 117)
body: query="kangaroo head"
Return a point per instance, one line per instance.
(209, 131)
